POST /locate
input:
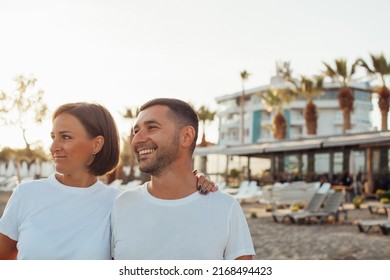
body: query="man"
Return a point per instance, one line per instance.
(167, 218)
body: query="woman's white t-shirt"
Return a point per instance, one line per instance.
(53, 221)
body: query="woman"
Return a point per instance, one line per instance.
(67, 215)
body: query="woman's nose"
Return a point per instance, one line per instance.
(54, 146)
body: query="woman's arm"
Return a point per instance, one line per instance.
(245, 258)
(8, 250)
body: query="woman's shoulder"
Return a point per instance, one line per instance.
(31, 187)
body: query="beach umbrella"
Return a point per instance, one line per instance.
(47, 169)
(11, 169)
(31, 170)
(38, 169)
(3, 169)
(23, 170)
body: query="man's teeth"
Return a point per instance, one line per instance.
(147, 151)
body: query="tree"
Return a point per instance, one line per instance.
(23, 106)
(308, 88)
(204, 115)
(244, 77)
(274, 100)
(380, 68)
(127, 154)
(341, 74)
(280, 93)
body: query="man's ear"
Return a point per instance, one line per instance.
(187, 136)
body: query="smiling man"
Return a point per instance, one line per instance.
(167, 218)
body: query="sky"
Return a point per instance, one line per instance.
(121, 53)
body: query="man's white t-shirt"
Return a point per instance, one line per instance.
(53, 221)
(195, 227)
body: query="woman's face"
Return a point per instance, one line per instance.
(72, 148)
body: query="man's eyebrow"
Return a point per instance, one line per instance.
(152, 122)
(148, 122)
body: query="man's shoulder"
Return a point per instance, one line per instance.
(130, 193)
(222, 197)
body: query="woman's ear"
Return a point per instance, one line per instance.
(98, 144)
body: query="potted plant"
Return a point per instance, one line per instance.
(253, 213)
(357, 201)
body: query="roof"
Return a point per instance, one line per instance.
(364, 86)
(304, 144)
(348, 140)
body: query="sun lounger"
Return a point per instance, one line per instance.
(313, 206)
(247, 192)
(287, 194)
(367, 225)
(331, 208)
(379, 208)
(385, 228)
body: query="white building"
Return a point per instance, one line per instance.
(258, 121)
(258, 124)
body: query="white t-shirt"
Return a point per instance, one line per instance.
(195, 227)
(53, 221)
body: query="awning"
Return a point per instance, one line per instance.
(246, 150)
(357, 139)
(295, 145)
(314, 143)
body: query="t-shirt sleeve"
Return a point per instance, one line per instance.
(9, 222)
(240, 240)
(112, 228)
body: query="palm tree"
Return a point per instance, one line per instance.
(380, 68)
(273, 100)
(205, 115)
(343, 75)
(281, 92)
(244, 76)
(309, 88)
(127, 155)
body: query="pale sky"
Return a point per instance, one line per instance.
(122, 53)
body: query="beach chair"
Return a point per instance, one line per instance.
(332, 206)
(367, 225)
(324, 188)
(312, 206)
(385, 228)
(284, 196)
(221, 185)
(247, 192)
(379, 208)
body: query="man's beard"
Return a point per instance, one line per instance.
(166, 155)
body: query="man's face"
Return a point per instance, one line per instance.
(156, 140)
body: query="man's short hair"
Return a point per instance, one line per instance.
(181, 112)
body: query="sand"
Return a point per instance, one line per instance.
(328, 241)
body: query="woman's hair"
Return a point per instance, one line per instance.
(97, 121)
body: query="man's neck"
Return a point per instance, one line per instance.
(173, 184)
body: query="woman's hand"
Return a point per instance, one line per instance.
(204, 184)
